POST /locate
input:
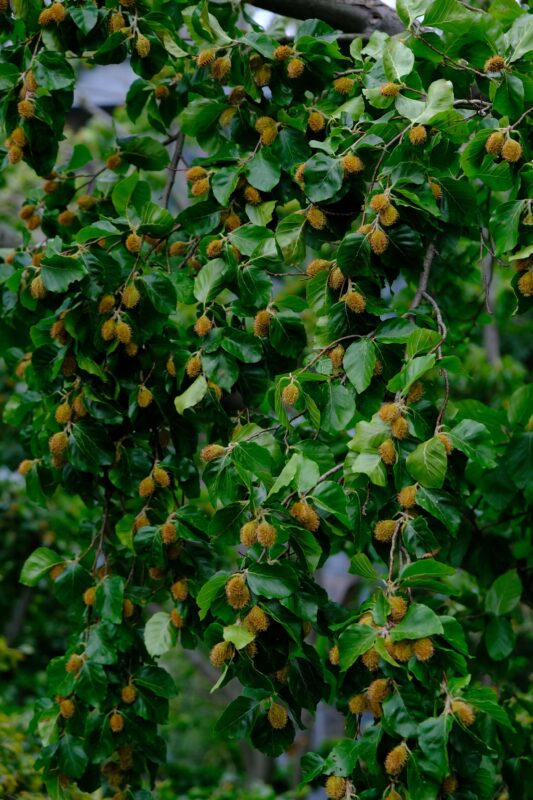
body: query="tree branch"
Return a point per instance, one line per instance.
(350, 16)
(424, 276)
(178, 149)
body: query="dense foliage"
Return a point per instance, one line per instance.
(279, 372)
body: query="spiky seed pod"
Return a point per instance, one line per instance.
(162, 92)
(74, 664)
(389, 216)
(193, 367)
(290, 394)
(436, 189)
(379, 202)
(128, 694)
(251, 650)
(358, 704)
(379, 241)
(26, 109)
(390, 89)
(295, 68)
(128, 609)
(277, 717)
(378, 690)
(394, 795)
(252, 196)
(334, 655)
(494, 64)
(33, 222)
(114, 161)
(237, 592)
(494, 143)
(256, 620)
(177, 619)
(170, 367)
(384, 530)
(336, 279)
(407, 496)
(205, 58)
(262, 75)
(354, 301)
(305, 515)
(19, 138)
(142, 46)
(89, 596)
(156, 573)
(378, 369)
(269, 135)
(56, 571)
(221, 653)
(464, 711)
(221, 67)
(67, 709)
(195, 174)
(214, 248)
(266, 534)
(58, 443)
(116, 722)
(161, 477)
(131, 349)
(343, 85)
(525, 284)
(389, 412)
(78, 406)
(262, 123)
(168, 534)
(336, 355)
(387, 452)
(316, 121)
(25, 466)
(232, 222)
(37, 258)
(133, 243)
(418, 135)
(14, 154)
(69, 365)
(37, 288)
(283, 52)
(200, 187)
(123, 332)
(226, 117)
(144, 397)
(262, 323)
(352, 164)
(317, 265)
(416, 392)
(146, 487)
(45, 17)
(63, 413)
(141, 521)
(511, 151)
(108, 330)
(396, 759)
(423, 649)
(450, 784)
(299, 174)
(400, 428)
(116, 22)
(180, 590)
(446, 441)
(398, 607)
(106, 304)
(336, 787)
(203, 325)
(212, 451)
(316, 218)
(248, 533)
(50, 186)
(371, 659)
(130, 296)
(66, 218)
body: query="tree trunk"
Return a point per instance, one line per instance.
(350, 16)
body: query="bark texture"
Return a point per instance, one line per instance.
(351, 16)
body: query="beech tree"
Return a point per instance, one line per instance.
(282, 370)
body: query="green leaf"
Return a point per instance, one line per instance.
(237, 719)
(486, 700)
(123, 191)
(323, 177)
(272, 580)
(91, 683)
(72, 756)
(90, 447)
(270, 741)
(440, 505)
(238, 635)
(144, 152)
(420, 340)
(157, 680)
(411, 372)
(109, 597)
(396, 717)
(426, 567)
(38, 565)
(504, 594)
(427, 464)
(398, 60)
(439, 97)
(419, 622)
(338, 408)
(58, 272)
(289, 235)
(433, 741)
(264, 170)
(244, 346)
(224, 182)
(473, 439)
(343, 758)
(520, 405)
(209, 591)
(450, 15)
(520, 37)
(159, 634)
(359, 363)
(353, 642)
(193, 395)
(504, 223)
(210, 280)
(369, 464)
(361, 565)
(499, 638)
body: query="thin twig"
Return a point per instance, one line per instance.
(178, 149)
(424, 276)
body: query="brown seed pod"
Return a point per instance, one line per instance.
(494, 143)
(237, 592)
(226, 117)
(423, 649)
(193, 366)
(248, 533)
(18, 137)
(232, 222)
(89, 596)
(220, 653)
(78, 406)
(256, 620)
(343, 85)
(63, 413)
(399, 428)
(336, 787)
(14, 154)
(290, 394)
(390, 89)
(358, 704)
(407, 496)
(33, 222)
(316, 218)
(283, 52)
(371, 659)
(116, 22)
(295, 68)
(354, 301)
(128, 609)
(221, 67)
(418, 135)
(266, 534)
(436, 189)
(177, 619)
(196, 173)
(416, 392)
(352, 164)
(205, 58)
(334, 655)
(494, 64)
(379, 202)
(336, 355)
(144, 397)
(277, 716)
(128, 694)
(262, 323)
(214, 248)
(398, 607)
(168, 534)
(203, 325)
(180, 590)
(389, 216)
(37, 288)
(26, 109)
(511, 151)
(58, 443)
(262, 75)
(56, 570)
(389, 412)
(316, 121)
(106, 304)
(525, 284)
(67, 709)
(402, 651)
(396, 759)
(123, 332)
(450, 784)
(252, 196)
(336, 279)
(212, 451)
(142, 46)
(379, 241)
(305, 515)
(66, 218)
(200, 187)
(384, 530)
(25, 466)
(146, 487)
(130, 296)
(161, 477)
(378, 690)
(133, 243)
(116, 722)
(299, 175)
(317, 265)
(446, 441)
(387, 452)
(464, 711)
(74, 664)
(108, 330)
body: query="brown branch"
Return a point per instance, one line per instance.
(350, 16)
(178, 149)
(424, 276)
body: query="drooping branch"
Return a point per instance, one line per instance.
(351, 16)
